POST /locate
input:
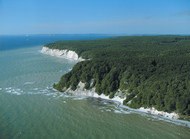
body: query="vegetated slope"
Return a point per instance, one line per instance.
(151, 71)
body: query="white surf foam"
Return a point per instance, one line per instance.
(27, 83)
(14, 91)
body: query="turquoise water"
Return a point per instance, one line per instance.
(30, 108)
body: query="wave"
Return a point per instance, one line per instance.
(14, 91)
(26, 83)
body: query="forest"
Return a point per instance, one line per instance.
(151, 71)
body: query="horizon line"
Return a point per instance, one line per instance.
(108, 34)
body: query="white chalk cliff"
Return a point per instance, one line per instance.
(152, 110)
(61, 53)
(91, 93)
(81, 91)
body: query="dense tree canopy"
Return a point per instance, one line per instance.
(151, 71)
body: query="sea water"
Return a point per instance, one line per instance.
(30, 108)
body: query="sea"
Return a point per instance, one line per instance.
(31, 109)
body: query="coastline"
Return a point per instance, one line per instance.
(80, 91)
(168, 117)
(68, 54)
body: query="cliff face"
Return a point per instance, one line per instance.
(62, 53)
(81, 91)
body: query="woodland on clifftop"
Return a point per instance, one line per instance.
(155, 70)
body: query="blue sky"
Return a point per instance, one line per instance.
(94, 16)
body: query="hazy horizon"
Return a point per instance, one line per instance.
(51, 34)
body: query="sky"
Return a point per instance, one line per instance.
(94, 16)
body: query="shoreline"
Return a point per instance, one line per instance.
(90, 93)
(67, 54)
(168, 118)
(80, 91)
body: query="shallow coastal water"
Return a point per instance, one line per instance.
(30, 108)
